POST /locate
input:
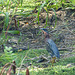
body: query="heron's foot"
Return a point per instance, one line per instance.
(53, 60)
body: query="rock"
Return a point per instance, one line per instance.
(69, 65)
(42, 59)
(13, 40)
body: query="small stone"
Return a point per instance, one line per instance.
(69, 65)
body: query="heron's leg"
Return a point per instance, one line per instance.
(53, 60)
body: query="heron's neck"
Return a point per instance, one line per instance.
(46, 36)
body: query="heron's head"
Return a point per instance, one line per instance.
(45, 31)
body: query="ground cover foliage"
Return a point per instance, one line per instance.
(20, 23)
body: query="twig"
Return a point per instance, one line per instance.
(22, 63)
(10, 68)
(66, 49)
(70, 30)
(6, 66)
(11, 19)
(27, 71)
(3, 69)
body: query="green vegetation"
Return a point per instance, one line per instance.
(7, 56)
(57, 70)
(61, 67)
(25, 8)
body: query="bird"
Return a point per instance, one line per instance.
(50, 46)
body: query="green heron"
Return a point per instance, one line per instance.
(50, 46)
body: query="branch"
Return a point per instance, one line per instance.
(13, 64)
(66, 49)
(22, 62)
(70, 31)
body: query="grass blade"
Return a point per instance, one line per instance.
(6, 19)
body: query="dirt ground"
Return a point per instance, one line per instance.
(63, 34)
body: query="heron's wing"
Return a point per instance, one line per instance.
(48, 48)
(53, 47)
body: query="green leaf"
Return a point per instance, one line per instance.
(7, 2)
(13, 32)
(55, 17)
(73, 2)
(6, 19)
(40, 10)
(0, 12)
(46, 16)
(21, 2)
